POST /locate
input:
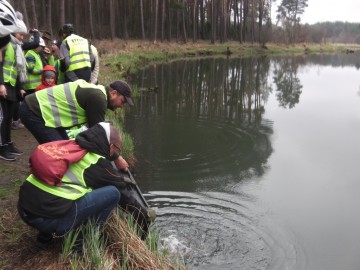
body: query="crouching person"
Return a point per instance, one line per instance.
(71, 182)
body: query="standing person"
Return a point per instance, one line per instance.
(95, 65)
(28, 45)
(76, 54)
(14, 74)
(55, 48)
(34, 68)
(47, 114)
(48, 78)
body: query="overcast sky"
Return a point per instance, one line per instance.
(329, 10)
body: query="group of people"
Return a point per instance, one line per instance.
(58, 92)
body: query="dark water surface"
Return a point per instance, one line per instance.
(253, 163)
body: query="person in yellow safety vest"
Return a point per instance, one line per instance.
(14, 75)
(34, 68)
(90, 187)
(55, 47)
(76, 55)
(48, 113)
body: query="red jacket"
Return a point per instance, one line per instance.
(43, 84)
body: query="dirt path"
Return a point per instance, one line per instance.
(17, 240)
(12, 171)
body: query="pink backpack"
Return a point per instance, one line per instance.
(50, 161)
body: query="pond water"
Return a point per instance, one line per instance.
(252, 163)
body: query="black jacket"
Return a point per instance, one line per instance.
(40, 203)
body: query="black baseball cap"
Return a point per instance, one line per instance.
(123, 89)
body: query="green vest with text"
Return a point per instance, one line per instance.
(9, 65)
(59, 107)
(34, 80)
(79, 52)
(73, 185)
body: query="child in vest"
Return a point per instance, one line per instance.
(48, 78)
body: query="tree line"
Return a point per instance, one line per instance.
(182, 20)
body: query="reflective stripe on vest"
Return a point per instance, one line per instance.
(79, 52)
(9, 65)
(73, 184)
(59, 107)
(34, 80)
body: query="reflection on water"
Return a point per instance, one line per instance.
(235, 154)
(207, 128)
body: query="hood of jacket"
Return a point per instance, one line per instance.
(96, 139)
(47, 68)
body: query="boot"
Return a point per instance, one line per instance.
(5, 154)
(13, 149)
(43, 240)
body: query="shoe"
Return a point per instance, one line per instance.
(5, 154)
(16, 125)
(43, 240)
(13, 149)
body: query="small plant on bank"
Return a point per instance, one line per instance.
(116, 245)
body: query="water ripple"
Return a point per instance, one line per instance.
(199, 151)
(215, 230)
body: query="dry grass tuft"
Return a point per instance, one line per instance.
(127, 248)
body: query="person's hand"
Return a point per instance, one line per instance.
(3, 91)
(22, 93)
(121, 163)
(72, 133)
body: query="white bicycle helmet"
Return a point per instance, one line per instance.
(9, 23)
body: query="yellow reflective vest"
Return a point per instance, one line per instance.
(34, 78)
(60, 75)
(9, 65)
(59, 107)
(79, 52)
(73, 184)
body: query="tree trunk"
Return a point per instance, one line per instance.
(245, 15)
(91, 23)
(62, 12)
(261, 14)
(156, 20)
(126, 34)
(34, 15)
(195, 21)
(49, 17)
(43, 19)
(253, 22)
(24, 12)
(112, 19)
(142, 19)
(163, 16)
(213, 23)
(169, 21)
(202, 20)
(241, 23)
(184, 22)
